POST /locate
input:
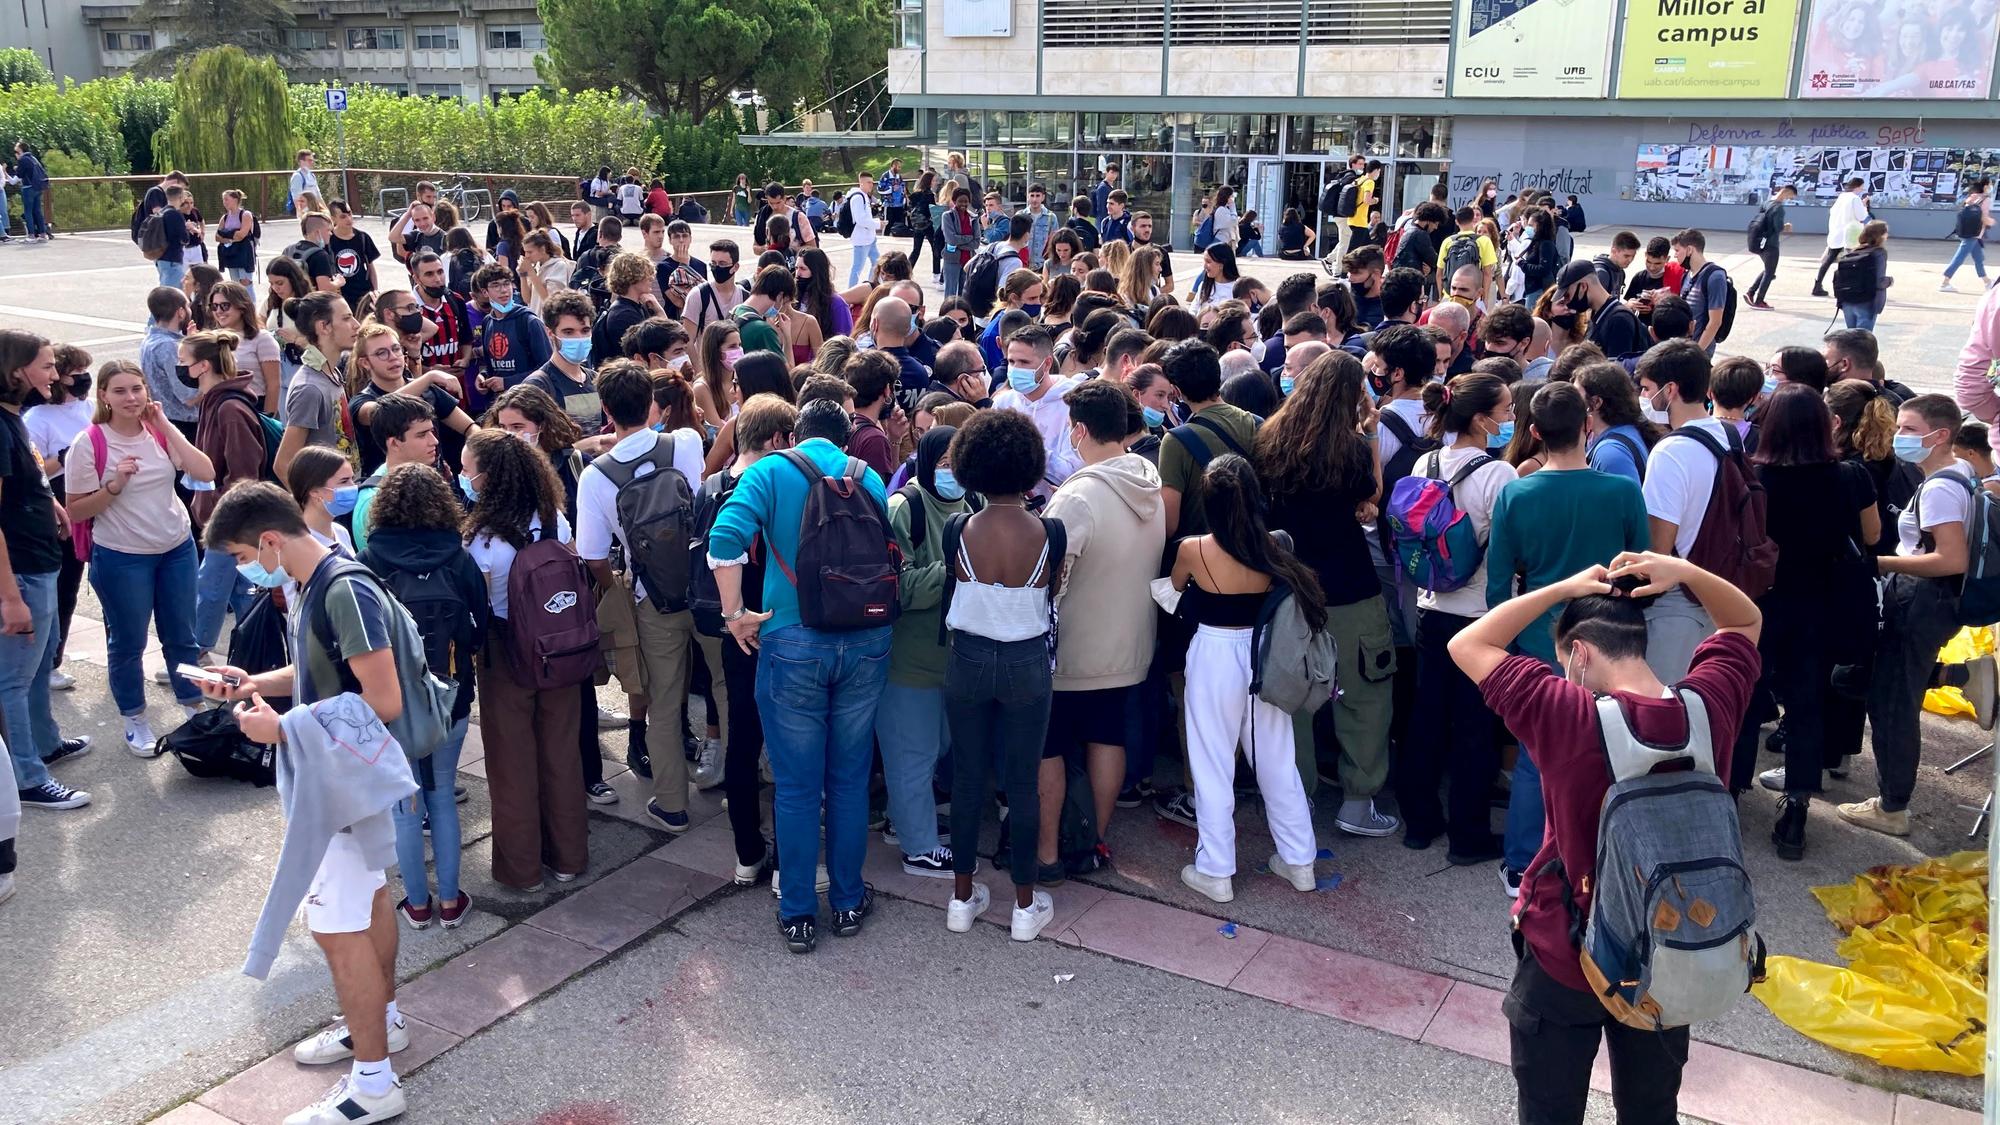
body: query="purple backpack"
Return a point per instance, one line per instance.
(1437, 548)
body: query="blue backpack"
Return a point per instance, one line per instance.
(1205, 233)
(1436, 546)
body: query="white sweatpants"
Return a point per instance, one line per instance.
(1221, 716)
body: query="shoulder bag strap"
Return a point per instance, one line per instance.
(954, 531)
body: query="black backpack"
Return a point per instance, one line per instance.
(1329, 200)
(1350, 198)
(844, 221)
(211, 745)
(912, 494)
(982, 279)
(1728, 310)
(847, 569)
(589, 279)
(1758, 235)
(259, 642)
(1463, 251)
(1854, 277)
(704, 597)
(441, 614)
(656, 516)
(1971, 221)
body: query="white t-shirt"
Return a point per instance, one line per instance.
(251, 355)
(1680, 473)
(146, 518)
(1475, 496)
(495, 559)
(864, 218)
(1051, 415)
(555, 274)
(1943, 501)
(54, 427)
(1224, 290)
(597, 497)
(631, 198)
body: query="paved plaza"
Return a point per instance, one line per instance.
(652, 990)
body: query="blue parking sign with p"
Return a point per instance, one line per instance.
(336, 100)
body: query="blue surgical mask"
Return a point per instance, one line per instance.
(946, 485)
(575, 349)
(1911, 448)
(465, 486)
(1500, 439)
(1153, 417)
(343, 500)
(1022, 379)
(1368, 386)
(1770, 384)
(502, 308)
(1032, 310)
(254, 573)
(1286, 383)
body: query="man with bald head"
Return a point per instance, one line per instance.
(920, 345)
(960, 371)
(1454, 322)
(893, 326)
(1298, 357)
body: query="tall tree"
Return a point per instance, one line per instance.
(194, 26)
(687, 55)
(853, 78)
(21, 67)
(231, 114)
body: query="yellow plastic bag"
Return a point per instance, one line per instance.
(1961, 648)
(1913, 994)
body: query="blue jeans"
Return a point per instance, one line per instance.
(1861, 314)
(911, 729)
(1969, 249)
(24, 683)
(871, 253)
(817, 692)
(446, 843)
(217, 588)
(171, 272)
(31, 211)
(954, 274)
(137, 591)
(1525, 812)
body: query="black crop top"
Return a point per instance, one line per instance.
(1226, 611)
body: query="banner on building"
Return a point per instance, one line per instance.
(1748, 174)
(1894, 49)
(1707, 48)
(1533, 48)
(977, 19)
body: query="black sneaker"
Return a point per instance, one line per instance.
(459, 795)
(636, 758)
(1178, 808)
(600, 794)
(70, 748)
(53, 794)
(801, 933)
(931, 865)
(1136, 794)
(847, 923)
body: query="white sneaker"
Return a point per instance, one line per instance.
(959, 916)
(607, 719)
(1030, 920)
(1773, 779)
(345, 1105)
(1300, 876)
(163, 677)
(60, 680)
(820, 882)
(6, 886)
(139, 738)
(1945, 286)
(333, 1044)
(1377, 824)
(1216, 887)
(707, 772)
(747, 874)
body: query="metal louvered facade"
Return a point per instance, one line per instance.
(1242, 23)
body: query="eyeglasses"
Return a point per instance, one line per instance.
(385, 353)
(218, 306)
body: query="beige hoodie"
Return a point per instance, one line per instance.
(1104, 612)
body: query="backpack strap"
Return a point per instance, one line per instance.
(1201, 450)
(813, 475)
(1924, 538)
(919, 520)
(622, 473)
(322, 625)
(954, 531)
(1637, 451)
(1628, 756)
(1399, 426)
(1478, 462)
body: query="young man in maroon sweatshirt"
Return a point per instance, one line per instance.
(1554, 1018)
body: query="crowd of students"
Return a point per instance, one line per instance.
(1028, 547)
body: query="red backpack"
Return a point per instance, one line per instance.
(1733, 541)
(100, 450)
(552, 617)
(848, 568)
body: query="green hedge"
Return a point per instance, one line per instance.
(50, 120)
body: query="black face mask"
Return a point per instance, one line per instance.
(79, 387)
(187, 379)
(410, 323)
(721, 273)
(1566, 322)
(434, 292)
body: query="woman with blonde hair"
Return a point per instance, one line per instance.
(120, 476)
(1139, 281)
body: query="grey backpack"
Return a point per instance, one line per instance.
(1292, 668)
(1670, 939)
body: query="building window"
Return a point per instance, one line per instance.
(501, 90)
(128, 40)
(374, 38)
(515, 37)
(439, 90)
(909, 23)
(1088, 23)
(437, 39)
(310, 38)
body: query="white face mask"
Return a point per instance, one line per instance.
(1657, 417)
(1257, 352)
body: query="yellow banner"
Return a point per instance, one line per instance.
(1707, 49)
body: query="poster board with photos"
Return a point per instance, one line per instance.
(1737, 174)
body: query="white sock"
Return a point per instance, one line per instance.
(372, 1079)
(395, 1017)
